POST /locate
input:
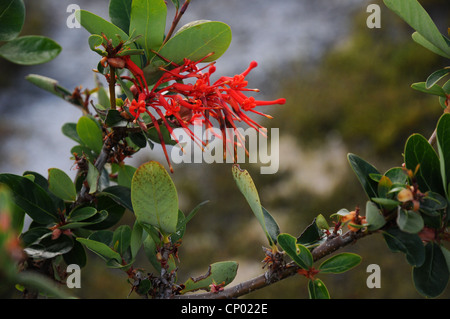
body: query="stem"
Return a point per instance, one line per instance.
(112, 85)
(176, 19)
(99, 164)
(290, 269)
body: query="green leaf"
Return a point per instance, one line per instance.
(70, 130)
(418, 38)
(248, 189)
(273, 230)
(92, 178)
(386, 203)
(50, 248)
(52, 86)
(114, 119)
(154, 197)
(30, 50)
(115, 212)
(95, 41)
(90, 133)
(148, 18)
(122, 239)
(32, 198)
(218, 273)
(77, 255)
(125, 175)
(33, 235)
(415, 15)
(82, 213)
(409, 221)
(443, 144)
(181, 228)
(397, 175)
(12, 18)
(42, 283)
(298, 253)
(340, 263)
(97, 25)
(119, 13)
(102, 250)
(196, 40)
(419, 152)
(150, 252)
(317, 289)
(8, 207)
(436, 76)
(410, 244)
(374, 217)
(434, 90)
(432, 203)
(144, 287)
(311, 234)
(384, 185)
(98, 217)
(363, 170)
(321, 222)
(191, 215)
(120, 194)
(60, 184)
(137, 238)
(432, 277)
(103, 236)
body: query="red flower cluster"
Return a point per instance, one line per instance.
(180, 104)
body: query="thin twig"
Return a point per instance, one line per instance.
(112, 87)
(175, 21)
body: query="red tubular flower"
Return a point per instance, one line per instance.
(181, 104)
(138, 107)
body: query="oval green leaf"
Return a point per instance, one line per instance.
(298, 253)
(154, 197)
(340, 263)
(60, 184)
(317, 289)
(148, 18)
(409, 221)
(363, 170)
(119, 13)
(410, 244)
(90, 133)
(97, 25)
(12, 18)
(102, 250)
(436, 76)
(374, 217)
(197, 40)
(419, 152)
(122, 239)
(432, 277)
(415, 15)
(32, 198)
(30, 50)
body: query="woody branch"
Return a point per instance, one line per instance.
(264, 280)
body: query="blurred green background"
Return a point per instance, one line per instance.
(356, 99)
